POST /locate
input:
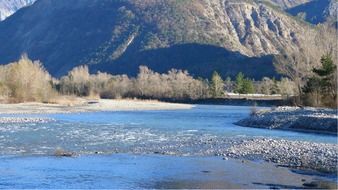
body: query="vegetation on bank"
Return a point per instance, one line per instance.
(27, 80)
(315, 86)
(321, 88)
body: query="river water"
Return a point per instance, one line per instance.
(142, 149)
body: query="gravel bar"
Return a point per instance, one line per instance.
(294, 119)
(305, 155)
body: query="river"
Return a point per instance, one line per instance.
(142, 149)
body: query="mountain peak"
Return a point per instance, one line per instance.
(9, 7)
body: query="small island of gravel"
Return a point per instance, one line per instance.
(318, 120)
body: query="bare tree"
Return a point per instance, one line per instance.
(296, 67)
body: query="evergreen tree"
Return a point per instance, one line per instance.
(248, 87)
(328, 67)
(244, 85)
(217, 85)
(326, 74)
(239, 82)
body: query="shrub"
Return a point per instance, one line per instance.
(77, 82)
(26, 80)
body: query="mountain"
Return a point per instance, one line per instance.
(8, 7)
(316, 11)
(119, 35)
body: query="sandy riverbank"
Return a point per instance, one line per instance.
(87, 105)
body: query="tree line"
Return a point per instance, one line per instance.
(27, 80)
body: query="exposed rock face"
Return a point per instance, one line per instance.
(9, 7)
(117, 36)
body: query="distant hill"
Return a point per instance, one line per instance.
(117, 36)
(9, 7)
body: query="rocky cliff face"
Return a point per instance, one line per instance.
(117, 36)
(8, 7)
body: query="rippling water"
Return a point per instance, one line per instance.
(201, 131)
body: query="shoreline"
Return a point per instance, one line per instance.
(67, 104)
(308, 131)
(234, 101)
(89, 105)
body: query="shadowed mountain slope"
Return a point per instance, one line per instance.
(316, 11)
